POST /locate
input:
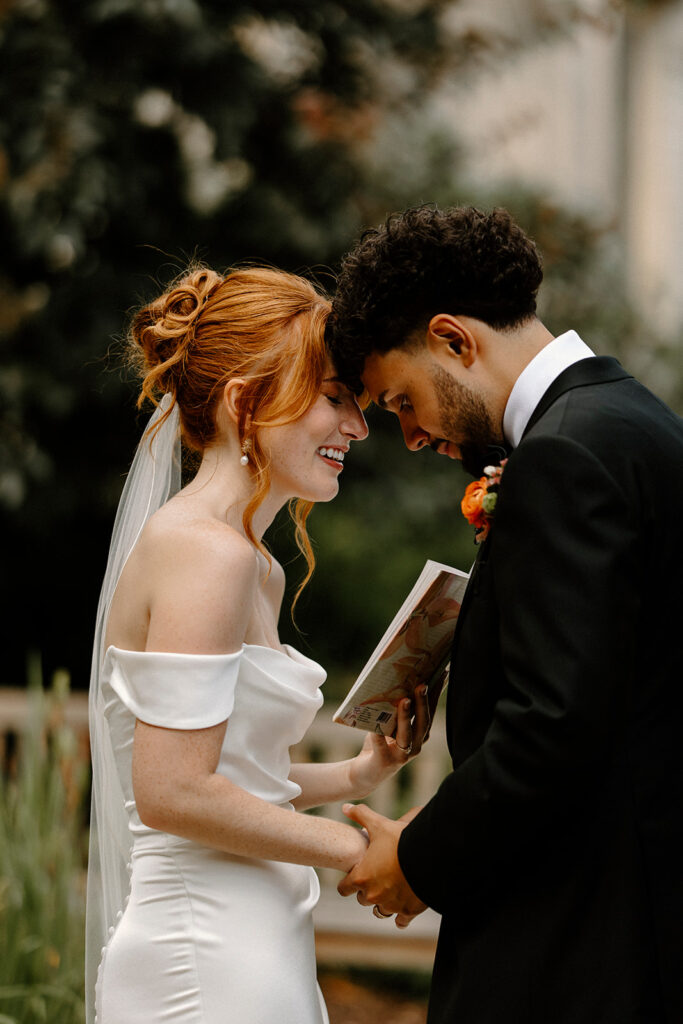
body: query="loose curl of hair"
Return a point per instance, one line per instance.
(256, 323)
(426, 261)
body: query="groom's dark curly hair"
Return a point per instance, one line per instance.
(425, 261)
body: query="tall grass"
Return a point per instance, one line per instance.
(42, 856)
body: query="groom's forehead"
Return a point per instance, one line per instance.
(387, 362)
(384, 373)
(374, 376)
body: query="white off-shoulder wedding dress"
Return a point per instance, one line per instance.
(207, 937)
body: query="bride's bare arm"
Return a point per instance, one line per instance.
(177, 790)
(201, 587)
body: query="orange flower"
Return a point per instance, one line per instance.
(471, 504)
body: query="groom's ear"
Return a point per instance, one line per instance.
(449, 338)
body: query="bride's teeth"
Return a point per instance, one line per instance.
(332, 453)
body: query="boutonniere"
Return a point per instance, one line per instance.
(479, 504)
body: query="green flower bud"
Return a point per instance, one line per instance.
(489, 503)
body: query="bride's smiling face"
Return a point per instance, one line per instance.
(307, 455)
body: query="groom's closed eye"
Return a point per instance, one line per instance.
(397, 403)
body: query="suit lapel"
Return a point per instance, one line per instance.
(470, 592)
(594, 370)
(471, 587)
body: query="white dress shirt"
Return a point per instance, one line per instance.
(536, 378)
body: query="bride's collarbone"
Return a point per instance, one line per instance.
(262, 626)
(258, 636)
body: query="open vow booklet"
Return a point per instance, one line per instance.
(415, 649)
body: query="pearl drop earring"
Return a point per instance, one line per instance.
(246, 448)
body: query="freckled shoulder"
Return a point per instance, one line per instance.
(202, 578)
(175, 539)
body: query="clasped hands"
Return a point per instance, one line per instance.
(377, 878)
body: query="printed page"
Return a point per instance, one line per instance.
(415, 649)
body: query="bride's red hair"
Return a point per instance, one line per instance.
(265, 326)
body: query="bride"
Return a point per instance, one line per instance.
(200, 882)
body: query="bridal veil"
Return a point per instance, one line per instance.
(153, 478)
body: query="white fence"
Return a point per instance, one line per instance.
(345, 932)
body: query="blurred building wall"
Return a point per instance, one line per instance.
(594, 117)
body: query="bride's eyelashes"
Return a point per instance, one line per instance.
(341, 398)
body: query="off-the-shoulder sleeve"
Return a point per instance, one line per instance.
(176, 691)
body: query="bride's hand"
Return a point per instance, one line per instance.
(358, 842)
(381, 756)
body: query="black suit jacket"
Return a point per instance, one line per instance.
(554, 849)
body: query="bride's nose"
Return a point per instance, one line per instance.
(354, 425)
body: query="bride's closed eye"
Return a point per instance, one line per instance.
(342, 396)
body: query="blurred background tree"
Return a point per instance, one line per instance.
(137, 134)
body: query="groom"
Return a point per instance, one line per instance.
(554, 848)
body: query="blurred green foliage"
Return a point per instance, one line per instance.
(42, 856)
(136, 134)
(139, 133)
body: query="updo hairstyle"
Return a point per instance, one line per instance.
(256, 323)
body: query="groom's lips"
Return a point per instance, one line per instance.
(448, 448)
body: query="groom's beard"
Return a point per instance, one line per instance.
(463, 414)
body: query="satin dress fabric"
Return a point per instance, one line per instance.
(208, 937)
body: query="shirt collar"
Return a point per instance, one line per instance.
(536, 378)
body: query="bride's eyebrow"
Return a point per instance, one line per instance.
(344, 385)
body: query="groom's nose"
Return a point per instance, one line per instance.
(413, 434)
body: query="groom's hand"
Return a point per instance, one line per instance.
(377, 878)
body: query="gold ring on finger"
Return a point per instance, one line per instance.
(379, 913)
